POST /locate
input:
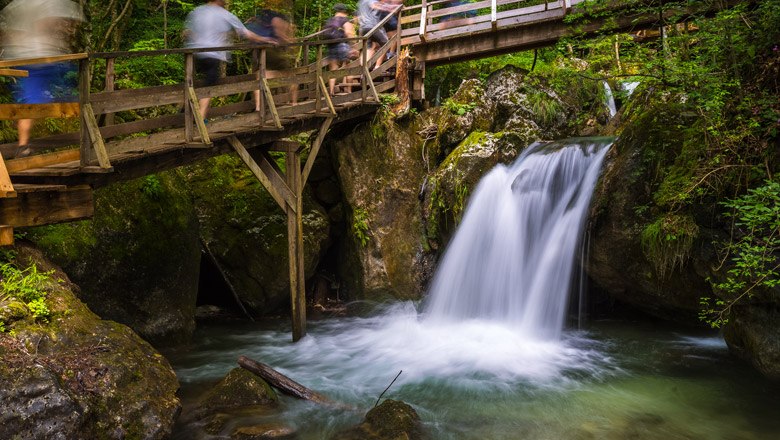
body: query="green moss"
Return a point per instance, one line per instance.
(667, 242)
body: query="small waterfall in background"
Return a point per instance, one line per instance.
(512, 259)
(610, 99)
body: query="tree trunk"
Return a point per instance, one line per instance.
(282, 382)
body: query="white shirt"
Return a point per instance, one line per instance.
(210, 26)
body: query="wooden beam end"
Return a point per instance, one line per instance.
(6, 235)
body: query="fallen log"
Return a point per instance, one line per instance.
(283, 383)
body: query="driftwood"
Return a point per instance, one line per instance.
(283, 383)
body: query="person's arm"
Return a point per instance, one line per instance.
(349, 29)
(245, 33)
(283, 29)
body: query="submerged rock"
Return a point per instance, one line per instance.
(78, 376)
(391, 420)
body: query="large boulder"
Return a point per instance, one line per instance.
(137, 260)
(77, 376)
(246, 232)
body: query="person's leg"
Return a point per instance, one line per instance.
(210, 68)
(25, 127)
(332, 65)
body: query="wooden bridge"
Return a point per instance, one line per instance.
(114, 142)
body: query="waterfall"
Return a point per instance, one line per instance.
(610, 99)
(512, 258)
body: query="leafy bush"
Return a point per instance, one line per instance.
(753, 254)
(23, 289)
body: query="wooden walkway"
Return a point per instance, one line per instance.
(128, 133)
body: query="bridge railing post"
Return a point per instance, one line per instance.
(318, 80)
(423, 19)
(84, 85)
(110, 78)
(189, 74)
(364, 82)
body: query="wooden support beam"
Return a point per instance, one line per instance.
(423, 20)
(192, 98)
(42, 60)
(6, 187)
(295, 246)
(269, 99)
(367, 79)
(6, 235)
(493, 13)
(14, 72)
(257, 171)
(36, 208)
(39, 111)
(95, 137)
(315, 149)
(84, 90)
(325, 93)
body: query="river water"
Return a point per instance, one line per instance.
(488, 356)
(479, 380)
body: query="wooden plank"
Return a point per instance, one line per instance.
(97, 140)
(367, 79)
(42, 60)
(84, 99)
(270, 102)
(47, 207)
(242, 152)
(6, 187)
(39, 111)
(326, 95)
(110, 79)
(199, 122)
(6, 235)
(43, 160)
(14, 72)
(315, 149)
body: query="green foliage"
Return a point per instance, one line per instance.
(23, 292)
(360, 226)
(754, 253)
(151, 186)
(667, 242)
(459, 109)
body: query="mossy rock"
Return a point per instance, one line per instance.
(137, 260)
(78, 376)
(391, 420)
(246, 231)
(237, 389)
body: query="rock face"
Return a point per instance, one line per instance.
(391, 420)
(247, 232)
(381, 168)
(81, 377)
(137, 260)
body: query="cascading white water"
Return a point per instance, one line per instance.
(610, 99)
(513, 255)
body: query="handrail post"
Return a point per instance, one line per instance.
(261, 76)
(423, 19)
(364, 56)
(189, 74)
(84, 84)
(318, 93)
(110, 80)
(493, 14)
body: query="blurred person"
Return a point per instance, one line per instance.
(368, 13)
(448, 20)
(391, 27)
(339, 26)
(212, 25)
(34, 29)
(278, 28)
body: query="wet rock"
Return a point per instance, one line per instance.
(78, 376)
(752, 334)
(264, 432)
(239, 388)
(391, 420)
(247, 231)
(137, 261)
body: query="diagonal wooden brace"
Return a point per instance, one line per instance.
(199, 122)
(96, 139)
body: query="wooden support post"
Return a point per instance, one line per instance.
(110, 79)
(295, 246)
(318, 89)
(6, 235)
(87, 153)
(423, 20)
(265, 176)
(96, 139)
(364, 58)
(269, 98)
(418, 82)
(261, 78)
(315, 149)
(6, 187)
(325, 93)
(189, 75)
(370, 83)
(199, 122)
(493, 13)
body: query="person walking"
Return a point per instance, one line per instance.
(38, 29)
(212, 25)
(278, 28)
(368, 12)
(338, 27)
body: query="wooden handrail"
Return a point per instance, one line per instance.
(383, 21)
(42, 60)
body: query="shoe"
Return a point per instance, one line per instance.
(23, 151)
